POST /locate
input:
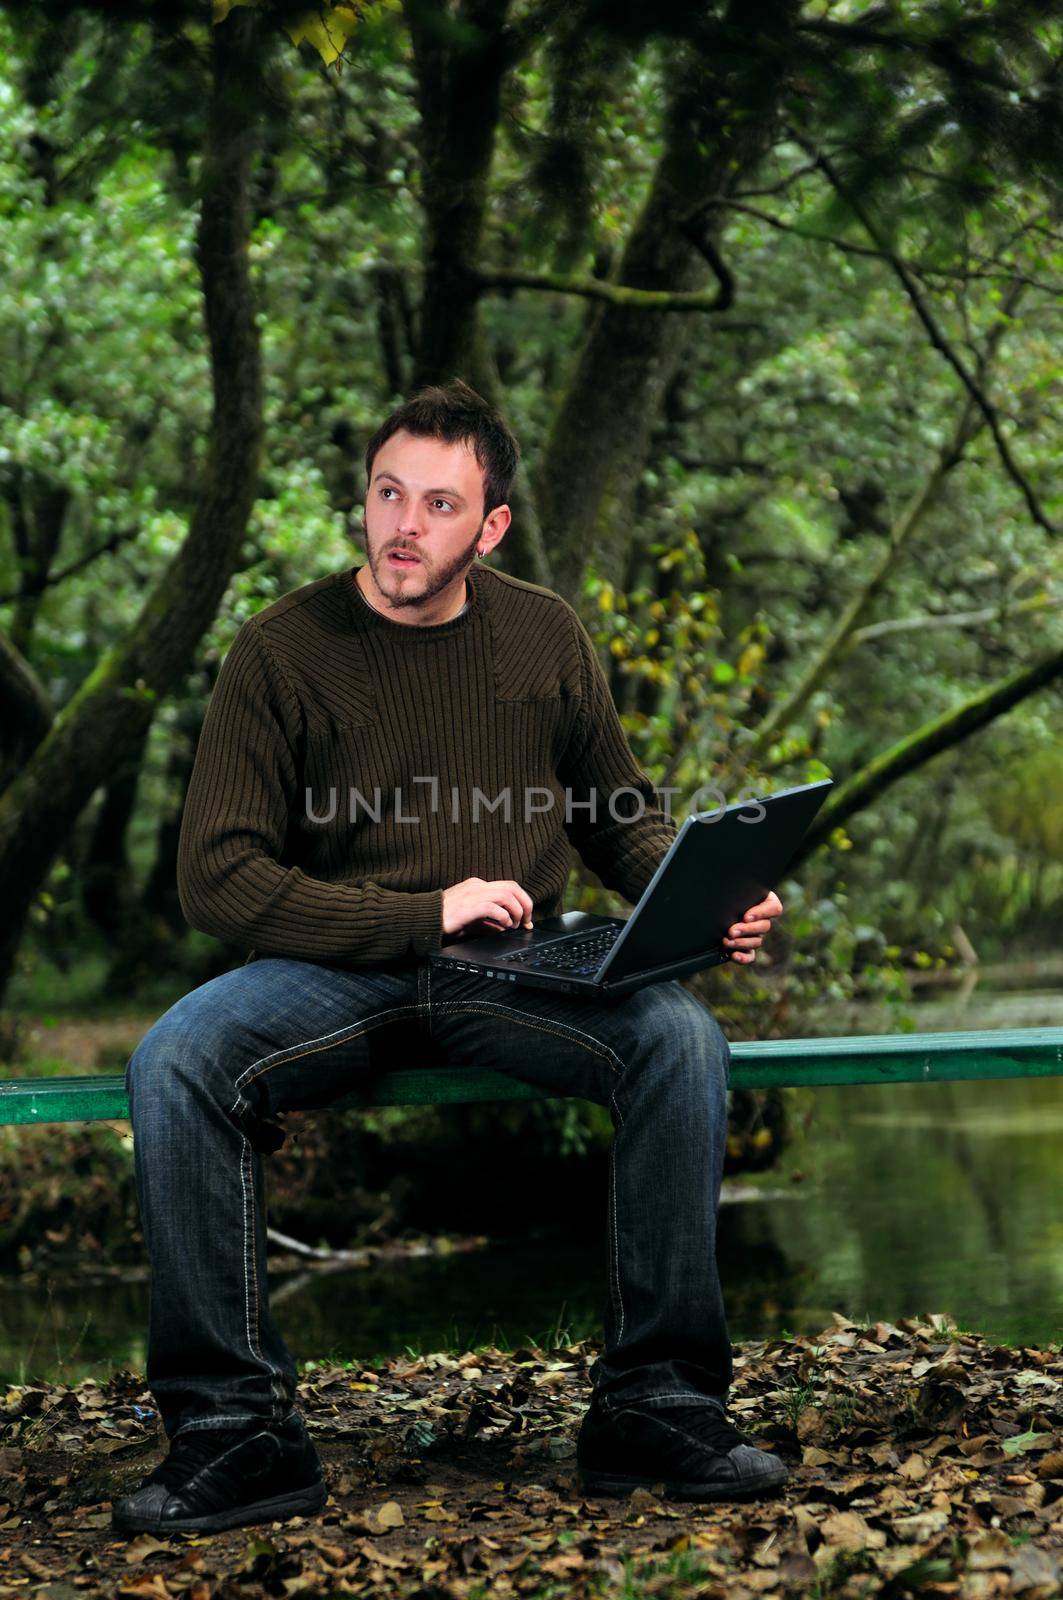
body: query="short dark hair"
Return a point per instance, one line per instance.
(458, 415)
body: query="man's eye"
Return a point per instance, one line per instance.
(443, 503)
(387, 489)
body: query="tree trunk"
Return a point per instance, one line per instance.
(600, 439)
(461, 63)
(461, 60)
(104, 877)
(160, 902)
(25, 710)
(38, 510)
(112, 708)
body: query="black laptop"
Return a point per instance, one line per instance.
(719, 864)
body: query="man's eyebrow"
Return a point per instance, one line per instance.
(452, 492)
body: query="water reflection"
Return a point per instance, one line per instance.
(1028, 995)
(511, 1292)
(923, 1197)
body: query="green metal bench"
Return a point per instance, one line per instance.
(756, 1064)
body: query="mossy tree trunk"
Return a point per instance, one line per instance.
(600, 440)
(112, 708)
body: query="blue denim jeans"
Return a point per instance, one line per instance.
(275, 1035)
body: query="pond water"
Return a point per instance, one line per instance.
(890, 1201)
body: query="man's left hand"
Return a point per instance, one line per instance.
(743, 939)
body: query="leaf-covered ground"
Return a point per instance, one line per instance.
(925, 1461)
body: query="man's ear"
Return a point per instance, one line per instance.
(494, 529)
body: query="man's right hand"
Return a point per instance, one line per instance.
(501, 904)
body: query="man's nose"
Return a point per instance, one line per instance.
(413, 522)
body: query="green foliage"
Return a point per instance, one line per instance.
(800, 425)
(1025, 803)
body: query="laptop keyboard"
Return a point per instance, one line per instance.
(582, 955)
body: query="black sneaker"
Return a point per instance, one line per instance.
(691, 1449)
(216, 1478)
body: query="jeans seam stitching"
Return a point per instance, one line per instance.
(305, 1047)
(251, 1278)
(564, 1031)
(291, 1053)
(575, 1036)
(616, 1239)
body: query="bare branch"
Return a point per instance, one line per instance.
(839, 640)
(847, 246)
(36, 583)
(953, 619)
(703, 242)
(836, 644)
(778, 188)
(924, 269)
(614, 294)
(937, 336)
(28, 711)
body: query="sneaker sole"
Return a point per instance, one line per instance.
(296, 1503)
(611, 1483)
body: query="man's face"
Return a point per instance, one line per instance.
(425, 500)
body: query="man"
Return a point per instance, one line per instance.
(348, 813)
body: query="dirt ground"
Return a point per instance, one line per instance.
(924, 1461)
(85, 1044)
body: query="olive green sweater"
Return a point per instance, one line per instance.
(313, 827)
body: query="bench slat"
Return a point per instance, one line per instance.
(756, 1064)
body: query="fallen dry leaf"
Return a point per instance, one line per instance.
(990, 1549)
(849, 1531)
(390, 1515)
(902, 1478)
(143, 1546)
(921, 1526)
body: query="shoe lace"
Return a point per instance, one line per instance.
(709, 1425)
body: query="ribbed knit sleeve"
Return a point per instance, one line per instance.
(621, 846)
(244, 791)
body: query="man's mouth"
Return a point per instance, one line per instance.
(403, 558)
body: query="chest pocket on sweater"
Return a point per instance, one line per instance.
(344, 698)
(535, 703)
(533, 664)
